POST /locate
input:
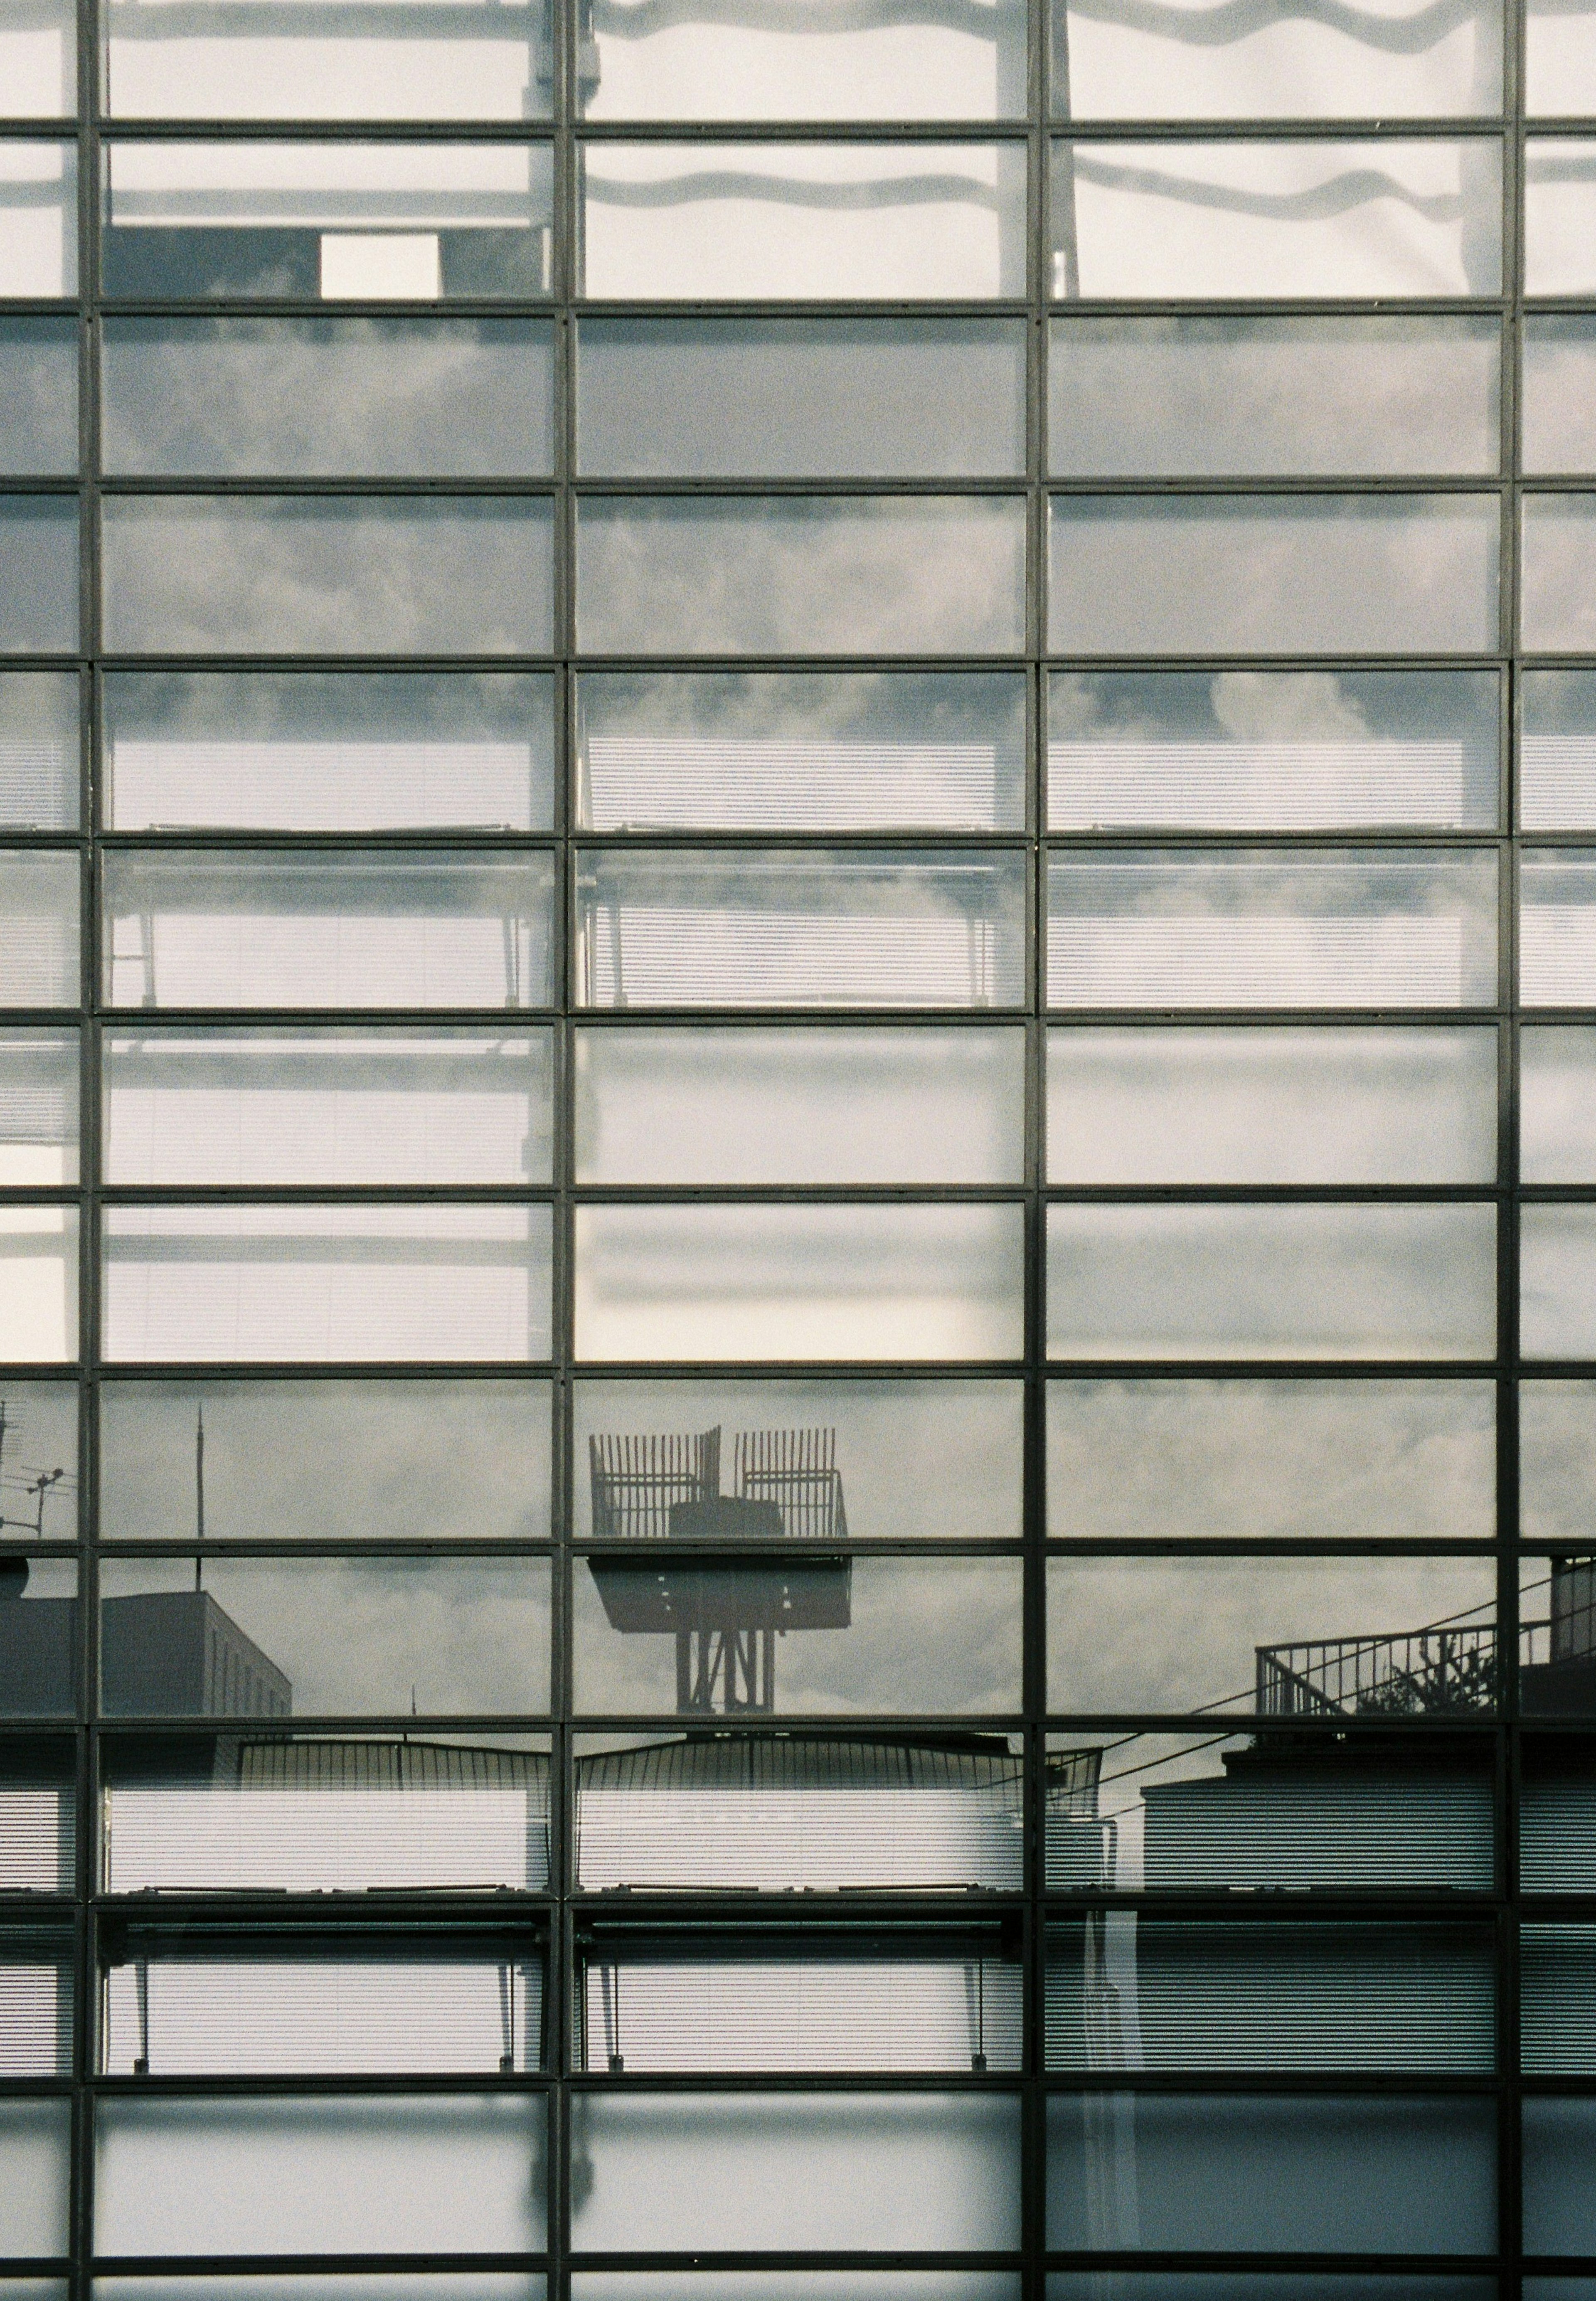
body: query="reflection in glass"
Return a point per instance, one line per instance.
(38, 1107)
(1272, 751)
(1236, 574)
(915, 1460)
(38, 1470)
(264, 930)
(763, 2284)
(873, 62)
(323, 1461)
(807, 576)
(39, 573)
(38, 59)
(804, 220)
(1559, 558)
(34, 2180)
(1557, 1103)
(1256, 219)
(39, 385)
(801, 750)
(38, 218)
(227, 1637)
(286, 575)
(215, 62)
(346, 2285)
(326, 1106)
(1130, 1992)
(1384, 1638)
(1271, 1106)
(36, 1990)
(1559, 209)
(797, 1281)
(1558, 1281)
(1557, 1462)
(1559, 59)
(801, 398)
(899, 2002)
(1557, 750)
(1271, 1281)
(380, 223)
(1557, 932)
(257, 1284)
(1557, 2010)
(1224, 398)
(38, 1283)
(1273, 2173)
(1268, 1812)
(456, 2174)
(1272, 928)
(405, 398)
(38, 1840)
(801, 930)
(796, 1811)
(1267, 2285)
(38, 751)
(1556, 394)
(264, 1811)
(837, 1105)
(40, 1637)
(919, 2171)
(378, 2005)
(1271, 1461)
(299, 751)
(1559, 2139)
(793, 1636)
(1195, 62)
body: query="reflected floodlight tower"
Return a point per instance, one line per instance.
(724, 1613)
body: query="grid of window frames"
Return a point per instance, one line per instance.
(799, 982)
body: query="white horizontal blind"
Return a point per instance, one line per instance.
(321, 786)
(683, 782)
(1274, 785)
(741, 953)
(36, 2039)
(1352, 1828)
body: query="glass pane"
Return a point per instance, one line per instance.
(1557, 1465)
(926, 2171)
(38, 73)
(1559, 59)
(311, 930)
(38, 1282)
(1560, 372)
(38, 1107)
(377, 2005)
(290, 574)
(1272, 1460)
(1557, 932)
(878, 1460)
(828, 1106)
(39, 573)
(1557, 750)
(1559, 564)
(322, 1636)
(38, 751)
(1254, 219)
(405, 398)
(1238, 574)
(801, 575)
(799, 1813)
(1390, 1638)
(39, 214)
(34, 2160)
(1272, 751)
(1558, 1981)
(1278, 928)
(806, 930)
(945, 221)
(870, 64)
(1556, 1104)
(801, 750)
(39, 1639)
(895, 1636)
(1247, 1106)
(382, 222)
(797, 1282)
(1267, 1812)
(1264, 2285)
(299, 751)
(275, 1813)
(801, 398)
(920, 2002)
(1254, 2173)
(1556, 1623)
(455, 2174)
(1557, 1281)
(1272, 1282)
(38, 383)
(791, 2285)
(321, 1461)
(324, 1107)
(354, 2285)
(1209, 397)
(256, 1283)
(1182, 1996)
(39, 1835)
(1559, 2138)
(1400, 61)
(1559, 208)
(38, 1470)
(39, 930)
(215, 62)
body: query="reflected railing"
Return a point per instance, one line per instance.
(1408, 1674)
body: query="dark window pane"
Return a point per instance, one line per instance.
(40, 1639)
(1559, 2146)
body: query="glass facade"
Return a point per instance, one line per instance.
(740, 1555)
